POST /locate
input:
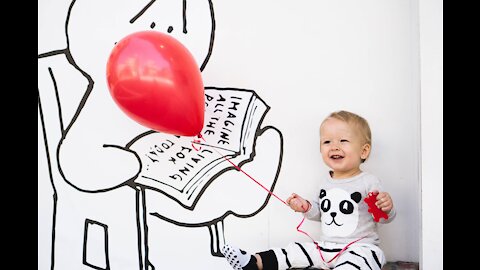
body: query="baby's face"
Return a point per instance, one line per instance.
(342, 147)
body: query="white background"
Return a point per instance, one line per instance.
(306, 59)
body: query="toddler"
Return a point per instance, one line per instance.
(349, 238)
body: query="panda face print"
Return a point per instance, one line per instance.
(339, 211)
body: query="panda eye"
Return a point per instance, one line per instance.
(346, 207)
(325, 205)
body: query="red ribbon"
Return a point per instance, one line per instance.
(238, 168)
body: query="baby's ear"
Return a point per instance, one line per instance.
(365, 151)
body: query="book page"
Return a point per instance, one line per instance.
(182, 167)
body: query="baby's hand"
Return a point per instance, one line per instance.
(384, 202)
(297, 203)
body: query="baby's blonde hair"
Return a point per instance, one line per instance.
(356, 121)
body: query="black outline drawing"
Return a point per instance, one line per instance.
(56, 173)
(89, 223)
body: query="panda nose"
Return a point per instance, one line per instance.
(333, 214)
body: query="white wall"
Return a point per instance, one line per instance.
(304, 59)
(431, 48)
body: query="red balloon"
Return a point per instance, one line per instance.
(155, 80)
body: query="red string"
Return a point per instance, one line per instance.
(239, 169)
(303, 219)
(193, 145)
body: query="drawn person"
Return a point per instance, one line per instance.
(98, 206)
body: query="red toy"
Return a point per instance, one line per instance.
(373, 209)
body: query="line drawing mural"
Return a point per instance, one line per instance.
(110, 177)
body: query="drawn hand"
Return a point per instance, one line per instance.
(92, 155)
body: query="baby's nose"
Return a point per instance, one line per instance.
(335, 146)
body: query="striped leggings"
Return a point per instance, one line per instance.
(303, 255)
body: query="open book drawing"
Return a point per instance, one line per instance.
(183, 167)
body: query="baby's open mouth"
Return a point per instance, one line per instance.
(336, 156)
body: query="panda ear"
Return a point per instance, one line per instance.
(356, 196)
(323, 193)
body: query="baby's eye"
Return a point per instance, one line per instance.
(326, 142)
(343, 140)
